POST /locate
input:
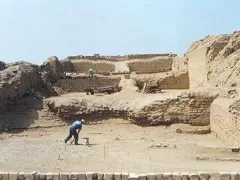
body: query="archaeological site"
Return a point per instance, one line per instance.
(148, 116)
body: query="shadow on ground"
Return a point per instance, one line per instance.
(20, 116)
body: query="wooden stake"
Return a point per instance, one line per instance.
(144, 87)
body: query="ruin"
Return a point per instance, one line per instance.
(199, 90)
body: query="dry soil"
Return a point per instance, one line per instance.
(115, 146)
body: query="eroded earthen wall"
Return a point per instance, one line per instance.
(15, 81)
(164, 80)
(187, 108)
(191, 110)
(180, 64)
(98, 67)
(197, 68)
(225, 121)
(178, 81)
(120, 58)
(79, 84)
(151, 66)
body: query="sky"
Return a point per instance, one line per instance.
(33, 30)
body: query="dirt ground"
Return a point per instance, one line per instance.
(115, 146)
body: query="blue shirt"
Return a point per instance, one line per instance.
(77, 125)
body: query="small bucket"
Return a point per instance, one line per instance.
(86, 141)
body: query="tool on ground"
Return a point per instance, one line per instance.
(144, 88)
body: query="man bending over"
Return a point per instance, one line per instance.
(74, 130)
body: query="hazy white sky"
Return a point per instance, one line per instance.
(33, 30)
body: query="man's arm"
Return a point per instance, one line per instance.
(79, 130)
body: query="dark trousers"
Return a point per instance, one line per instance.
(72, 132)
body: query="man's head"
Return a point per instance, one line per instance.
(83, 121)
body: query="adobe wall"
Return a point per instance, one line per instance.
(164, 80)
(175, 81)
(78, 84)
(225, 121)
(118, 176)
(145, 56)
(181, 81)
(180, 65)
(190, 107)
(223, 61)
(151, 66)
(214, 61)
(82, 66)
(159, 64)
(119, 58)
(197, 68)
(121, 67)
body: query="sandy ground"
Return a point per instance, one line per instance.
(120, 101)
(116, 146)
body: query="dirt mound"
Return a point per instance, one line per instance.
(52, 69)
(16, 80)
(67, 65)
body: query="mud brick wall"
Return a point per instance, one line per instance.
(118, 176)
(187, 109)
(180, 64)
(145, 56)
(119, 58)
(225, 121)
(80, 83)
(151, 66)
(178, 81)
(96, 58)
(199, 111)
(84, 66)
(184, 109)
(197, 68)
(161, 64)
(165, 81)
